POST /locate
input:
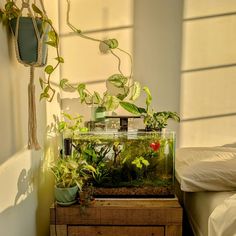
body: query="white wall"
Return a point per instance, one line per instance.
(23, 210)
(157, 51)
(208, 73)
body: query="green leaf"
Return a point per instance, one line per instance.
(41, 82)
(145, 162)
(48, 21)
(112, 43)
(142, 110)
(63, 83)
(111, 103)
(61, 126)
(130, 107)
(148, 97)
(66, 86)
(49, 69)
(137, 163)
(68, 116)
(81, 87)
(60, 59)
(50, 43)
(135, 91)
(121, 96)
(9, 6)
(44, 95)
(118, 80)
(46, 89)
(83, 129)
(37, 10)
(52, 36)
(174, 116)
(98, 99)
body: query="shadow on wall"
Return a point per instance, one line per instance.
(230, 145)
(24, 184)
(12, 93)
(14, 215)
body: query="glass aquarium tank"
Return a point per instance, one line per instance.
(129, 164)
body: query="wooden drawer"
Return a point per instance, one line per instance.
(118, 217)
(115, 231)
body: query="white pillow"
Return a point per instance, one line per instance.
(206, 169)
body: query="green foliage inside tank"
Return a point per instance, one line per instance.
(128, 159)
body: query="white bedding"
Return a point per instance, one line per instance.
(199, 206)
(207, 175)
(222, 221)
(206, 168)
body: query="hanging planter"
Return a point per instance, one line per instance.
(32, 33)
(30, 51)
(30, 37)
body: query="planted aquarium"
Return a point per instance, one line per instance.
(129, 163)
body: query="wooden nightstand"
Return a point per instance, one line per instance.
(119, 217)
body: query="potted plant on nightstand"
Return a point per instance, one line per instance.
(153, 121)
(71, 173)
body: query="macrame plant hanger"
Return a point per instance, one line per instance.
(32, 120)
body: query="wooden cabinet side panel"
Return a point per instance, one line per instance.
(58, 230)
(115, 231)
(173, 230)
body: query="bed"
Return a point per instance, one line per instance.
(206, 178)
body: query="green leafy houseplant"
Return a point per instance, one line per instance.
(10, 13)
(154, 121)
(71, 171)
(126, 88)
(70, 175)
(71, 125)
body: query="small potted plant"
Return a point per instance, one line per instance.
(71, 173)
(153, 121)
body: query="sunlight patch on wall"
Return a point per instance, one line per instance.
(208, 93)
(208, 132)
(209, 42)
(193, 8)
(97, 14)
